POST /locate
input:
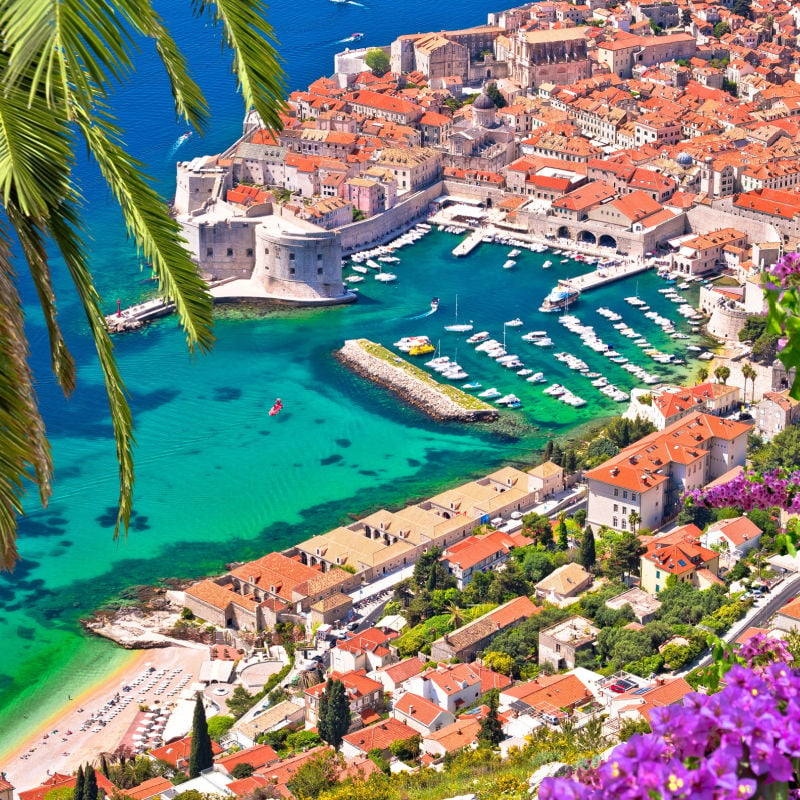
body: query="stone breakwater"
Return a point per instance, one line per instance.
(414, 386)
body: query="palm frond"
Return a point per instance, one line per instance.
(152, 228)
(24, 449)
(63, 229)
(30, 237)
(256, 62)
(33, 168)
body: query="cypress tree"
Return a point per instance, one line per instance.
(587, 557)
(491, 730)
(78, 792)
(548, 450)
(201, 756)
(89, 783)
(337, 715)
(563, 542)
(322, 716)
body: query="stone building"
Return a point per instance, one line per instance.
(550, 56)
(560, 643)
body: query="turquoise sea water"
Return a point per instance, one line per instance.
(217, 479)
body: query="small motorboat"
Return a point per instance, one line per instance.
(276, 408)
(471, 385)
(514, 323)
(435, 304)
(547, 264)
(533, 336)
(510, 264)
(490, 393)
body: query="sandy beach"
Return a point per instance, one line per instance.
(60, 745)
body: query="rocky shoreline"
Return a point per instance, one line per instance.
(413, 390)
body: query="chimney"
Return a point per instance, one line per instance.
(411, 709)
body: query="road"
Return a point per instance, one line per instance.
(756, 617)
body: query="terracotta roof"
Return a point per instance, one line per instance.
(469, 552)
(791, 609)
(259, 756)
(380, 735)
(418, 708)
(59, 781)
(148, 789)
(680, 551)
(464, 731)
(737, 530)
(551, 694)
(404, 670)
(565, 580)
(179, 750)
(490, 679)
(356, 684)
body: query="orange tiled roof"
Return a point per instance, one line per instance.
(380, 735)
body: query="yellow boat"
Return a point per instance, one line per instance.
(421, 349)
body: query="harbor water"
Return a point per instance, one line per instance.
(219, 480)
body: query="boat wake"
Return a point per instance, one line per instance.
(422, 316)
(178, 142)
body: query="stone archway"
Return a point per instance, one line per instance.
(588, 237)
(563, 232)
(607, 241)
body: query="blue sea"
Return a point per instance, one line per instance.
(217, 479)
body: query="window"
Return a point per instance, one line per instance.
(229, 251)
(319, 256)
(249, 251)
(624, 511)
(658, 573)
(616, 507)
(633, 495)
(291, 256)
(209, 252)
(625, 495)
(319, 270)
(266, 251)
(614, 522)
(624, 524)
(616, 492)
(291, 270)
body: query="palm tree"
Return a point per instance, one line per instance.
(456, 615)
(722, 374)
(634, 519)
(702, 375)
(62, 63)
(749, 374)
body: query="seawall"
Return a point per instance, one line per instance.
(442, 402)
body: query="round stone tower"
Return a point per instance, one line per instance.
(483, 110)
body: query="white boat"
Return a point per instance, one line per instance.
(510, 264)
(373, 264)
(407, 342)
(545, 342)
(525, 372)
(514, 253)
(355, 279)
(547, 264)
(507, 357)
(507, 400)
(532, 336)
(457, 327)
(457, 374)
(476, 338)
(490, 393)
(359, 268)
(437, 362)
(471, 385)
(537, 377)
(514, 323)
(386, 277)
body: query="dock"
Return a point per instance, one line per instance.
(466, 246)
(133, 317)
(605, 275)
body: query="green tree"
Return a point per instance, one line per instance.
(537, 526)
(742, 8)
(536, 564)
(79, 781)
(580, 517)
(496, 96)
(406, 749)
(63, 65)
(315, 776)
(686, 17)
(754, 327)
(722, 373)
(562, 543)
(782, 451)
(218, 726)
(498, 662)
(624, 555)
(721, 28)
(548, 450)
(634, 519)
(334, 714)
(89, 783)
(243, 770)
(201, 755)
(765, 348)
(749, 374)
(491, 731)
(377, 61)
(702, 374)
(587, 556)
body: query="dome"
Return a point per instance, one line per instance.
(483, 101)
(684, 159)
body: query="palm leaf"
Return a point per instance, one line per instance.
(63, 226)
(24, 450)
(152, 228)
(30, 237)
(256, 62)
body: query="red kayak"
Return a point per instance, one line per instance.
(276, 408)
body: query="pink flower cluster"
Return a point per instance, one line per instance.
(785, 273)
(749, 490)
(741, 743)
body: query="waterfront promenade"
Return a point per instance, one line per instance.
(605, 275)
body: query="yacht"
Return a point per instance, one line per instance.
(523, 373)
(537, 377)
(359, 268)
(555, 390)
(514, 323)
(386, 277)
(490, 393)
(479, 337)
(560, 297)
(545, 342)
(407, 342)
(547, 264)
(507, 400)
(355, 279)
(471, 385)
(532, 336)
(509, 264)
